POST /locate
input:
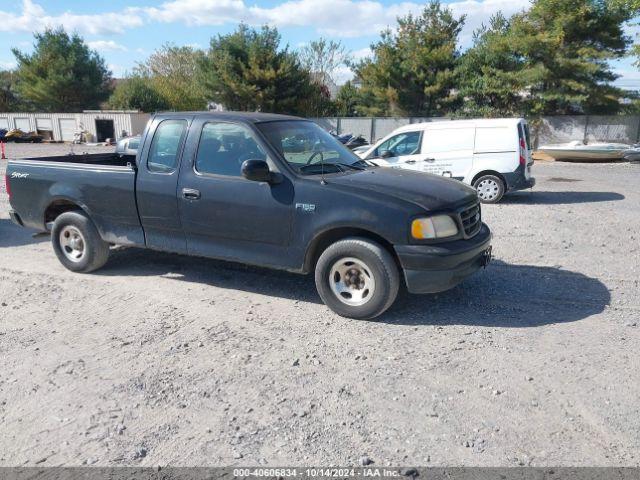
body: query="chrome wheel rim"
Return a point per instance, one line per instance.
(72, 243)
(352, 281)
(488, 189)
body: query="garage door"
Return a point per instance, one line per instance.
(23, 124)
(67, 129)
(43, 124)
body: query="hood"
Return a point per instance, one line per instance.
(431, 192)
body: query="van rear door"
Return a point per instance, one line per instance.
(496, 148)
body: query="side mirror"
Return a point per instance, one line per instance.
(256, 170)
(386, 154)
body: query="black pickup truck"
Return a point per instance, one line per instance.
(269, 190)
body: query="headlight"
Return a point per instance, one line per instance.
(439, 226)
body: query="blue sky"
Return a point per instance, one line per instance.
(127, 31)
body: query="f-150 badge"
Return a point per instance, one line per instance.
(306, 207)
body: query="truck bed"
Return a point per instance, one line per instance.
(101, 184)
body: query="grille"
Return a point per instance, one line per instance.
(471, 220)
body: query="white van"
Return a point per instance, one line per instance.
(493, 155)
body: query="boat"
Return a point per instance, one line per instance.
(633, 155)
(578, 151)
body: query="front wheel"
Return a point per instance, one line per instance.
(77, 243)
(357, 278)
(490, 188)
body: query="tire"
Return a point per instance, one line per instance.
(490, 188)
(357, 278)
(77, 243)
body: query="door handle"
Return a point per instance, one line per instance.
(410, 161)
(429, 160)
(191, 194)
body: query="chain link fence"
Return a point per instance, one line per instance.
(547, 130)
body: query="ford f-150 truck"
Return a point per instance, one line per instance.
(263, 189)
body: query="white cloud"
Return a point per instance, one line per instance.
(480, 11)
(340, 18)
(362, 53)
(118, 71)
(34, 18)
(629, 79)
(342, 75)
(337, 18)
(106, 46)
(7, 65)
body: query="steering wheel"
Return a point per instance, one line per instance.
(313, 155)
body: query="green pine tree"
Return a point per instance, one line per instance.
(491, 83)
(248, 70)
(566, 46)
(412, 71)
(62, 74)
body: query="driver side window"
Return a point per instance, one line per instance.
(223, 147)
(406, 143)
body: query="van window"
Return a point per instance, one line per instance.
(495, 139)
(449, 139)
(405, 143)
(163, 154)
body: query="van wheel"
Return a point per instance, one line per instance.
(357, 278)
(77, 243)
(490, 188)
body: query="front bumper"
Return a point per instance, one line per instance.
(15, 218)
(436, 268)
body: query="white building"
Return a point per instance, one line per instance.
(102, 124)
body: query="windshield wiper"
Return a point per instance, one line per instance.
(368, 162)
(337, 165)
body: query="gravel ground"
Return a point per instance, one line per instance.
(161, 359)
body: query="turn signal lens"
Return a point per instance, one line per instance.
(440, 226)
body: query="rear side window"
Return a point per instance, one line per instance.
(224, 146)
(495, 139)
(163, 154)
(449, 140)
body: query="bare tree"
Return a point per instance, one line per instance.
(323, 58)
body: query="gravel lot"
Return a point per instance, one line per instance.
(160, 359)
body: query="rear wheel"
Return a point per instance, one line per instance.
(490, 188)
(77, 243)
(357, 278)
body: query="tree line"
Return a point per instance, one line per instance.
(550, 59)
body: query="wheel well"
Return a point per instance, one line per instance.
(490, 172)
(58, 207)
(322, 241)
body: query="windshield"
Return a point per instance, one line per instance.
(308, 148)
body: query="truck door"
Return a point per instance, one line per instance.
(224, 215)
(448, 151)
(157, 182)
